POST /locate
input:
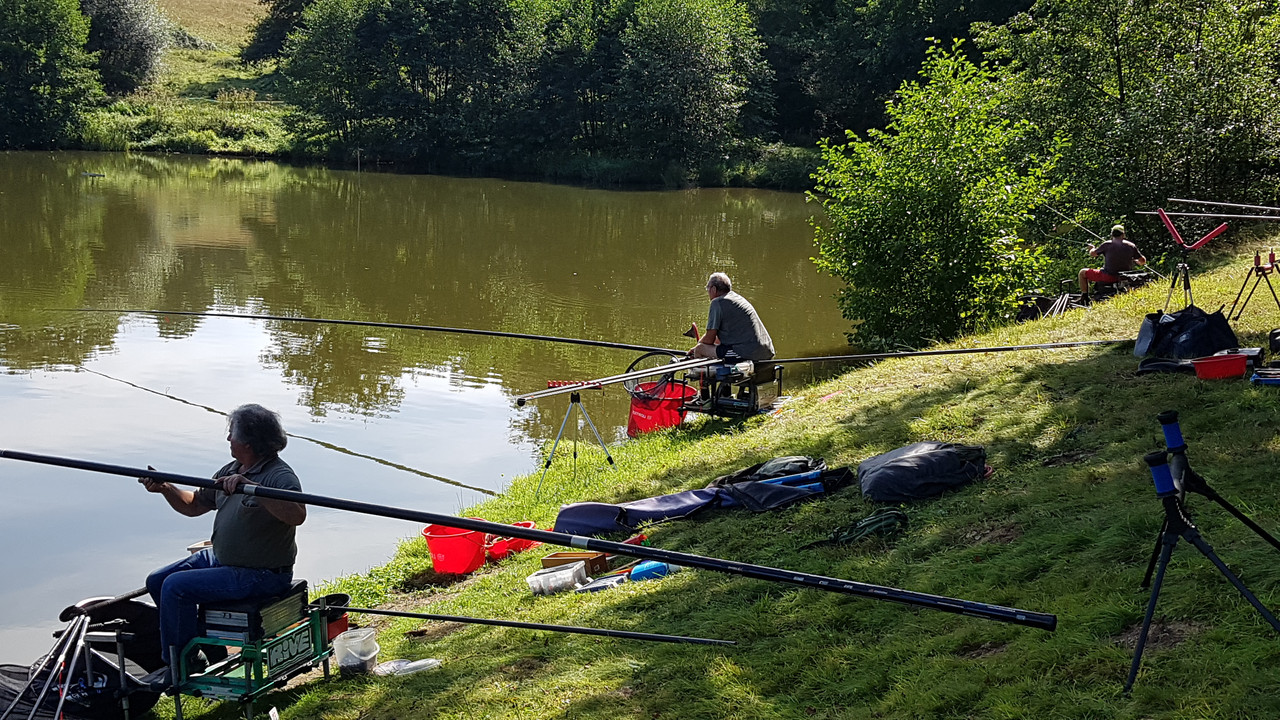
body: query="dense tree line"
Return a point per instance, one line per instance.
(518, 85)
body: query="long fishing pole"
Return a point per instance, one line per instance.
(322, 443)
(1073, 222)
(1043, 621)
(1211, 215)
(370, 323)
(1226, 204)
(88, 608)
(689, 364)
(626, 634)
(957, 351)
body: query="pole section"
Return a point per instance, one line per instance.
(627, 634)
(369, 323)
(1043, 621)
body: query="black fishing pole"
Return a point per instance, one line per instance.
(370, 323)
(957, 351)
(322, 443)
(1043, 621)
(553, 628)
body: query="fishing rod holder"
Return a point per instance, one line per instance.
(1173, 478)
(1260, 271)
(575, 401)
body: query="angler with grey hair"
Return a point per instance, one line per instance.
(733, 327)
(253, 547)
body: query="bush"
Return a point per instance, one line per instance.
(130, 37)
(47, 79)
(924, 217)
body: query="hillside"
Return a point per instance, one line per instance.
(1065, 526)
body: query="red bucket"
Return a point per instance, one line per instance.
(1220, 366)
(454, 551)
(499, 546)
(659, 412)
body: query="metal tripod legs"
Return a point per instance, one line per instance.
(575, 401)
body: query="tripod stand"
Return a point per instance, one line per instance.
(575, 401)
(1178, 525)
(1187, 480)
(1259, 272)
(1181, 272)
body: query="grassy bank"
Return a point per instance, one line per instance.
(1064, 526)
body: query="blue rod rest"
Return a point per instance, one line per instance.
(1159, 463)
(1173, 441)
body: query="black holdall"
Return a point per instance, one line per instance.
(921, 470)
(1188, 333)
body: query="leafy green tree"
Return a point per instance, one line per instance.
(685, 86)
(924, 216)
(46, 77)
(836, 62)
(328, 75)
(269, 35)
(1154, 99)
(419, 80)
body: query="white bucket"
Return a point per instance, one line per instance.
(356, 651)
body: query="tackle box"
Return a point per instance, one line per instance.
(254, 619)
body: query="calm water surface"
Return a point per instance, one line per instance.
(423, 420)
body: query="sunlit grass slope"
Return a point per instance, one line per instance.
(226, 22)
(1064, 526)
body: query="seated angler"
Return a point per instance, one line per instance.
(732, 326)
(253, 548)
(1119, 255)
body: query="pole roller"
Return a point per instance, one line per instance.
(626, 634)
(1042, 621)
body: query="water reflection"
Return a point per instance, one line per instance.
(385, 412)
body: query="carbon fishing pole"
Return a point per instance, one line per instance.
(1043, 621)
(1211, 215)
(322, 443)
(370, 323)
(688, 364)
(1073, 222)
(1226, 204)
(957, 351)
(626, 634)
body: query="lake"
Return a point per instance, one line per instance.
(408, 418)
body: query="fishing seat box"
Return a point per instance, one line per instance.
(253, 619)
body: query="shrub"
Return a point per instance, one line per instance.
(130, 37)
(924, 216)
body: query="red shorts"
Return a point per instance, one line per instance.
(1092, 275)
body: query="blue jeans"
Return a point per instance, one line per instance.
(178, 588)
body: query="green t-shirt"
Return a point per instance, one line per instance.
(245, 534)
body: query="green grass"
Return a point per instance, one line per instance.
(1064, 526)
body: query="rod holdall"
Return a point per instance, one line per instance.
(921, 470)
